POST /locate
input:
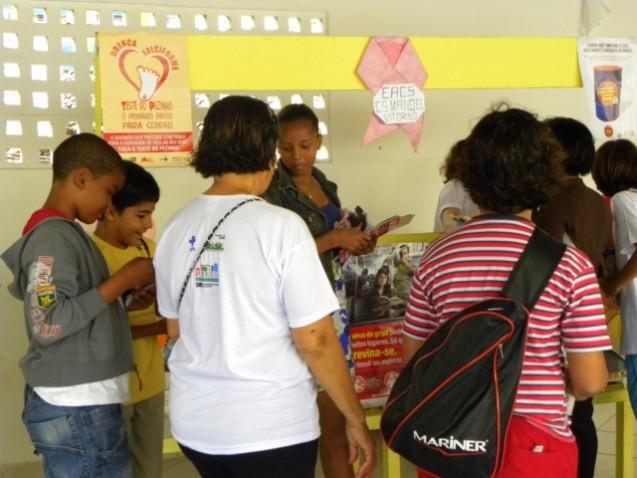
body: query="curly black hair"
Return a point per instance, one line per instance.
(239, 136)
(576, 141)
(615, 166)
(512, 162)
(450, 169)
(85, 150)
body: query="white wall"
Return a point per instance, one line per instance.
(385, 177)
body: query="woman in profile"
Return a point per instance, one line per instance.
(301, 187)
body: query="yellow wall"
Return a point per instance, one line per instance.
(385, 177)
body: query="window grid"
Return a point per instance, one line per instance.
(201, 101)
(48, 51)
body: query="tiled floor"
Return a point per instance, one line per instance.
(178, 467)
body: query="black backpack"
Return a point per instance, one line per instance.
(449, 411)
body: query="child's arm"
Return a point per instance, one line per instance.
(149, 330)
(611, 286)
(134, 275)
(172, 327)
(55, 307)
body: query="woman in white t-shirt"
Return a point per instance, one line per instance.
(615, 173)
(454, 203)
(242, 288)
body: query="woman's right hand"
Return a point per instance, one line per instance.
(354, 240)
(362, 443)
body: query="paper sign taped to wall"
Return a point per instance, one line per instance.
(145, 97)
(609, 74)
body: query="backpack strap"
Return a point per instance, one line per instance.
(534, 268)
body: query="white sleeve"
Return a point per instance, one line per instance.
(166, 300)
(624, 207)
(451, 195)
(304, 288)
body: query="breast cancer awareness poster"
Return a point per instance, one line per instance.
(145, 97)
(391, 70)
(608, 67)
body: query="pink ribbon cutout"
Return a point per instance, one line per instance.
(389, 60)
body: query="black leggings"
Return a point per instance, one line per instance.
(586, 436)
(296, 461)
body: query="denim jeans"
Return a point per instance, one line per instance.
(77, 442)
(631, 380)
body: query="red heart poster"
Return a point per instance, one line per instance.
(145, 97)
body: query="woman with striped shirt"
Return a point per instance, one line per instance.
(509, 169)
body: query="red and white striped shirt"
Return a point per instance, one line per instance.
(472, 264)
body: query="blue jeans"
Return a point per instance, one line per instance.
(631, 380)
(77, 442)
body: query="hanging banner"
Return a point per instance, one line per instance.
(145, 97)
(608, 67)
(391, 69)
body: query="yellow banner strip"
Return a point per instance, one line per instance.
(261, 63)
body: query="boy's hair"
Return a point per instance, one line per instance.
(298, 112)
(85, 150)
(576, 141)
(239, 135)
(140, 187)
(512, 162)
(450, 168)
(615, 166)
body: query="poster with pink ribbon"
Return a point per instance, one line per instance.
(391, 70)
(145, 97)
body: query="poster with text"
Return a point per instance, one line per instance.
(608, 67)
(145, 97)
(377, 288)
(377, 352)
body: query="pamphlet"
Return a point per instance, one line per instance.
(382, 228)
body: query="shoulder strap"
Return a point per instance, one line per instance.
(144, 245)
(205, 245)
(534, 268)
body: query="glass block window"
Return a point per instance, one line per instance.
(201, 101)
(47, 74)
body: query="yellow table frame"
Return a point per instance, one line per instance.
(625, 422)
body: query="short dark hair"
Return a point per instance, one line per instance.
(140, 187)
(239, 136)
(512, 162)
(298, 112)
(615, 166)
(450, 169)
(576, 141)
(85, 150)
